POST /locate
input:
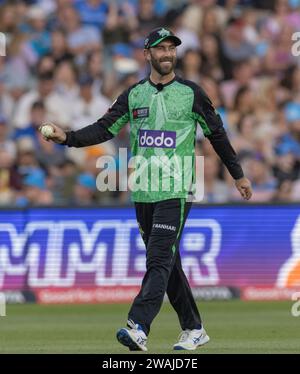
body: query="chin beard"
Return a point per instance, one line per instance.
(163, 71)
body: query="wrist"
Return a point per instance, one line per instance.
(65, 141)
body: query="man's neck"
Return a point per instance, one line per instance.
(163, 79)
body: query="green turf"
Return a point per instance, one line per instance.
(234, 327)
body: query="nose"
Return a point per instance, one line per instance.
(167, 55)
(170, 52)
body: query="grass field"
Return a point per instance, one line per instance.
(234, 327)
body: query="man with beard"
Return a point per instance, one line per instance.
(163, 111)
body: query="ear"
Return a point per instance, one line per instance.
(147, 55)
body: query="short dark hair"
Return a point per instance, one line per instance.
(47, 76)
(38, 105)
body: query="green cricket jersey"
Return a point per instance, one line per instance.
(163, 120)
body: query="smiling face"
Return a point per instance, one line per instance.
(162, 57)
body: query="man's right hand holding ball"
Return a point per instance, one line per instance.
(52, 132)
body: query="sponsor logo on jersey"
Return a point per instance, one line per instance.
(140, 113)
(157, 139)
(164, 227)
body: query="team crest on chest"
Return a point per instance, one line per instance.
(140, 112)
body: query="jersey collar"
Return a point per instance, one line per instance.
(164, 85)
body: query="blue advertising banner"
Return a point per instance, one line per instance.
(239, 246)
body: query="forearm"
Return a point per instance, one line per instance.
(224, 150)
(89, 135)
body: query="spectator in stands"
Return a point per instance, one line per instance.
(244, 103)
(291, 82)
(102, 79)
(210, 22)
(147, 17)
(284, 191)
(290, 139)
(47, 154)
(215, 190)
(264, 185)
(119, 24)
(245, 133)
(191, 65)
(21, 59)
(80, 39)
(63, 176)
(34, 191)
(59, 47)
(174, 20)
(93, 12)
(242, 75)
(85, 188)
(286, 167)
(193, 16)
(88, 107)
(5, 142)
(234, 46)
(26, 160)
(66, 82)
(37, 116)
(9, 20)
(210, 53)
(55, 106)
(39, 38)
(45, 65)
(10, 180)
(6, 101)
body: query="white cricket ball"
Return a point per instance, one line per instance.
(47, 131)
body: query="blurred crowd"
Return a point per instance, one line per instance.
(67, 61)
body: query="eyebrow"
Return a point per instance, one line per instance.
(165, 45)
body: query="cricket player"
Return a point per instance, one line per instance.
(163, 111)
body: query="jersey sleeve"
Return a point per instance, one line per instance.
(105, 128)
(212, 126)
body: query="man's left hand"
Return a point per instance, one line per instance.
(244, 187)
